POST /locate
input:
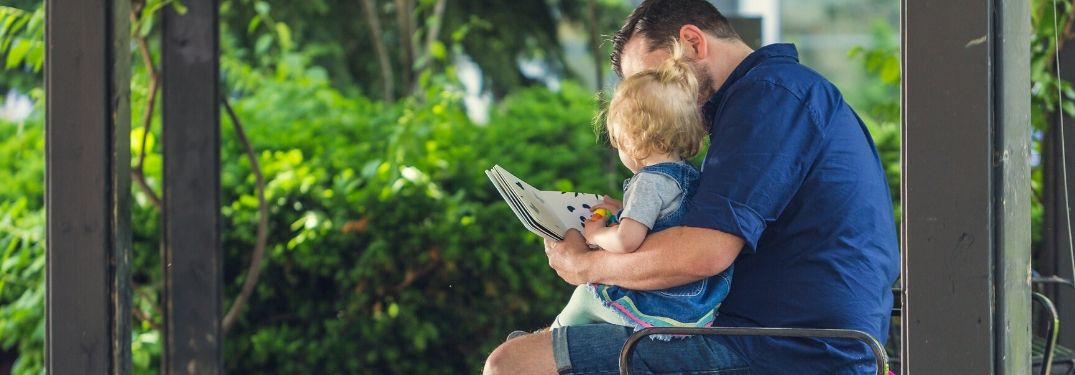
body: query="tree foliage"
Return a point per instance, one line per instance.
(495, 34)
(22, 44)
(878, 105)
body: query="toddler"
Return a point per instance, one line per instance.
(654, 123)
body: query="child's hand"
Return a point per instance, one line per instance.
(608, 203)
(592, 227)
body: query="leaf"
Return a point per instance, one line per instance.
(145, 26)
(263, 44)
(179, 7)
(36, 57)
(284, 33)
(459, 34)
(438, 51)
(12, 24)
(890, 73)
(262, 8)
(17, 53)
(1069, 108)
(254, 22)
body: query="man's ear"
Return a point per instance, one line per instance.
(694, 41)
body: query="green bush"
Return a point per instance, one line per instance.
(22, 250)
(390, 250)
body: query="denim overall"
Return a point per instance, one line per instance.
(689, 305)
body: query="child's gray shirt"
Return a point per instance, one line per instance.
(650, 196)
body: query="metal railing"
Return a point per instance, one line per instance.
(878, 350)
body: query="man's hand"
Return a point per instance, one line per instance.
(593, 226)
(569, 257)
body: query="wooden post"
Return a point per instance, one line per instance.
(88, 187)
(966, 186)
(192, 255)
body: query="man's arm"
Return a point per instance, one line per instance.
(668, 258)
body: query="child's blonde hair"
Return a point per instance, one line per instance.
(656, 111)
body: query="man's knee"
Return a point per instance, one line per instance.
(531, 354)
(498, 361)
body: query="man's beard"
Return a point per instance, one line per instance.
(705, 81)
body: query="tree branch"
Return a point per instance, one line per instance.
(254, 271)
(1037, 196)
(141, 315)
(431, 37)
(434, 29)
(595, 46)
(378, 47)
(412, 275)
(404, 14)
(147, 117)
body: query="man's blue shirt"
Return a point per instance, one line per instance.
(793, 171)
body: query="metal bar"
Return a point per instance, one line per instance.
(1010, 42)
(1050, 332)
(965, 176)
(192, 254)
(87, 177)
(880, 357)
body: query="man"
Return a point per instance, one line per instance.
(791, 190)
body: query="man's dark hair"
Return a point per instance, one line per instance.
(659, 22)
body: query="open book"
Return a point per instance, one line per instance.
(548, 214)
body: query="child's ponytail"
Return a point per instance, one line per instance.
(676, 70)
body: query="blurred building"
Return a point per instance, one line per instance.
(823, 30)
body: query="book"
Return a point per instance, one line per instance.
(546, 213)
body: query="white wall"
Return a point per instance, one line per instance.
(769, 10)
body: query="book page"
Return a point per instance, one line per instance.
(553, 212)
(572, 209)
(518, 207)
(533, 204)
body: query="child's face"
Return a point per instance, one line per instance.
(628, 162)
(624, 143)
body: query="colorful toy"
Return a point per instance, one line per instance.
(600, 213)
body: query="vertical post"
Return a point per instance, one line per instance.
(966, 226)
(87, 178)
(192, 254)
(1011, 183)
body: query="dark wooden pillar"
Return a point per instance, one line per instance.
(966, 186)
(192, 254)
(87, 178)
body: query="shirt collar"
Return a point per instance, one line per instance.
(709, 109)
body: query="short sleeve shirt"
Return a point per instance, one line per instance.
(793, 171)
(650, 196)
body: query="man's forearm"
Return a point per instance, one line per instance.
(668, 258)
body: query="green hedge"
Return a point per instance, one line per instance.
(391, 251)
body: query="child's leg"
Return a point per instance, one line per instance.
(585, 308)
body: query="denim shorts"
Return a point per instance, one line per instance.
(595, 349)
